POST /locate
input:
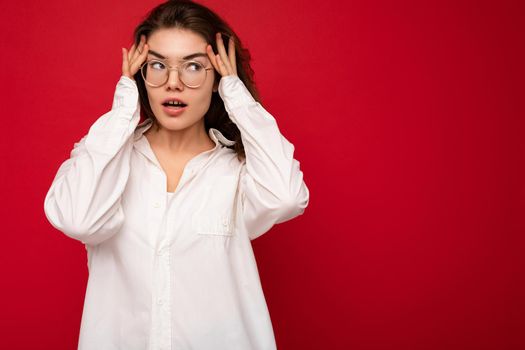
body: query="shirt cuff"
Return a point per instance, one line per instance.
(126, 93)
(234, 93)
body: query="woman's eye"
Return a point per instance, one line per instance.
(156, 65)
(194, 66)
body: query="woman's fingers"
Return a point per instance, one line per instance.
(222, 68)
(131, 52)
(139, 49)
(211, 56)
(224, 63)
(231, 54)
(132, 60)
(135, 65)
(223, 55)
(125, 63)
(216, 62)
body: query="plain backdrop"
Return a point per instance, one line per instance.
(407, 120)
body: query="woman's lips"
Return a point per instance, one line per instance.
(174, 111)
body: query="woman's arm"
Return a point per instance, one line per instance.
(272, 187)
(84, 198)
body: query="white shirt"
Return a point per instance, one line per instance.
(175, 271)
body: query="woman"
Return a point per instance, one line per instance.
(167, 208)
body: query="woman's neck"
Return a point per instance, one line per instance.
(191, 140)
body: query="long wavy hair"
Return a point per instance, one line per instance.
(189, 15)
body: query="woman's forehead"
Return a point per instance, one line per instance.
(176, 39)
(191, 56)
(177, 44)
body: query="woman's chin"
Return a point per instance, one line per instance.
(176, 124)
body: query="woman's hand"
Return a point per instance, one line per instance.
(132, 60)
(223, 63)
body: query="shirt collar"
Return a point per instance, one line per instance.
(142, 144)
(215, 134)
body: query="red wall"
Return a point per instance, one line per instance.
(407, 118)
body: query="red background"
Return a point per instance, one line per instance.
(407, 118)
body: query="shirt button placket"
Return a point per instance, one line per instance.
(161, 317)
(163, 306)
(166, 308)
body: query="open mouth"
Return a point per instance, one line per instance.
(174, 104)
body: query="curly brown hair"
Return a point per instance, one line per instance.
(189, 15)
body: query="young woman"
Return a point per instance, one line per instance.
(166, 208)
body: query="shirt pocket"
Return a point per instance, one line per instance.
(213, 224)
(215, 215)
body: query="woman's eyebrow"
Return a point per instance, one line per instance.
(189, 57)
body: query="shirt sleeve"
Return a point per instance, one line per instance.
(271, 187)
(84, 200)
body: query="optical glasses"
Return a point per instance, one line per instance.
(191, 73)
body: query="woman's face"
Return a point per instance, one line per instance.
(174, 44)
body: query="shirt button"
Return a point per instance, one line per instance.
(160, 301)
(156, 205)
(160, 252)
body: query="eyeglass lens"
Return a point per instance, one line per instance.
(191, 73)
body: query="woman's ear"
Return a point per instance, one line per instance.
(215, 86)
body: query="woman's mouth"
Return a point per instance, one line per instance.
(174, 110)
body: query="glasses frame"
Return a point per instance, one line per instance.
(178, 68)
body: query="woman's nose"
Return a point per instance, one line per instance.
(174, 81)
